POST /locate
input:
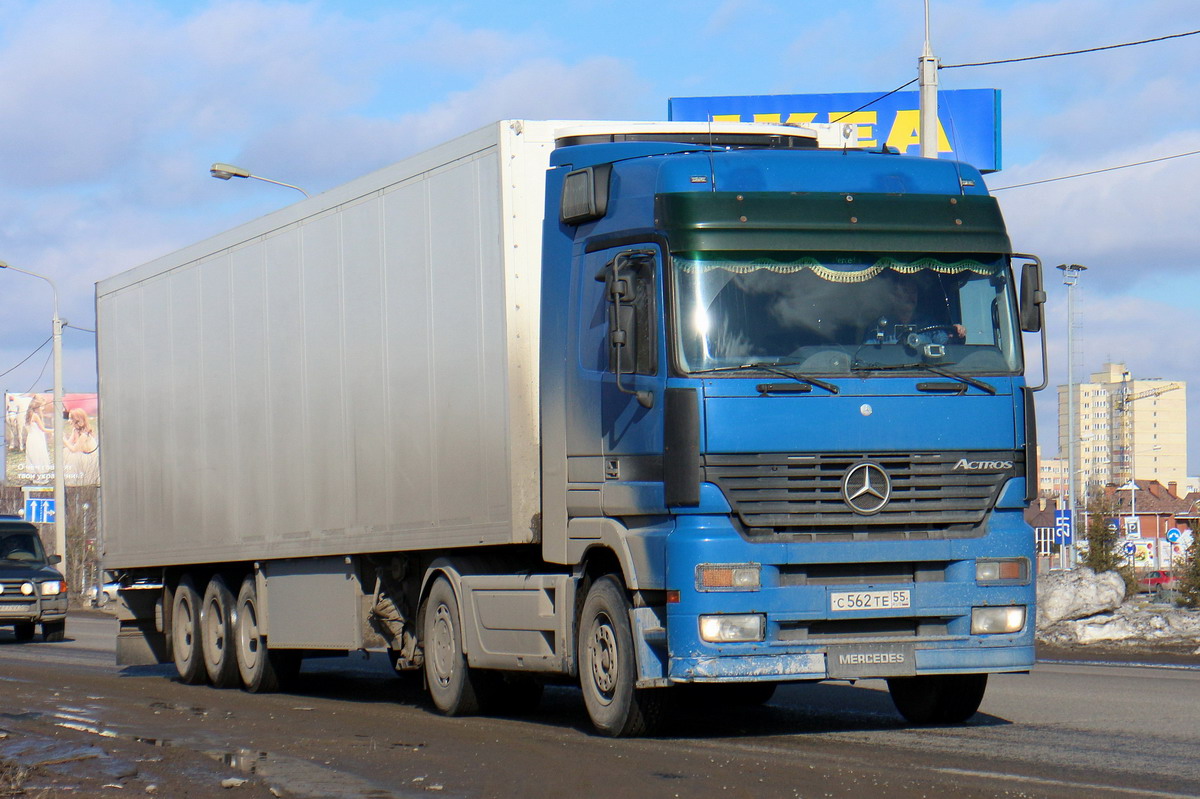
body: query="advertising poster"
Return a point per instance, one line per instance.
(29, 440)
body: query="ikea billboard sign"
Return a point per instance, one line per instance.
(968, 119)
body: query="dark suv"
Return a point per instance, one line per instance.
(32, 591)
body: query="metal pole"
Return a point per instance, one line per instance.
(60, 505)
(60, 491)
(927, 75)
(1070, 276)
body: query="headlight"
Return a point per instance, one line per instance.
(730, 627)
(990, 621)
(728, 577)
(1002, 570)
(52, 588)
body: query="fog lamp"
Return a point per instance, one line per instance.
(990, 621)
(27, 589)
(728, 628)
(728, 577)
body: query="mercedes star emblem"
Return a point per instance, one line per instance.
(866, 488)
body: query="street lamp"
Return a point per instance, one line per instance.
(60, 505)
(1071, 274)
(227, 171)
(927, 75)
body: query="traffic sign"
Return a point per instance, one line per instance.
(1062, 527)
(1173, 535)
(1130, 547)
(39, 511)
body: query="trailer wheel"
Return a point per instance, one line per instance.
(185, 633)
(451, 683)
(607, 669)
(23, 630)
(938, 698)
(54, 631)
(255, 660)
(217, 633)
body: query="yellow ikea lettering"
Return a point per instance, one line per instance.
(866, 121)
(906, 132)
(726, 117)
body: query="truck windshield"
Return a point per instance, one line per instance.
(23, 547)
(833, 313)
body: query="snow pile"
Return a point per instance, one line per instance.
(1081, 607)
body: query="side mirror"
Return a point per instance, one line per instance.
(1033, 297)
(620, 277)
(54, 560)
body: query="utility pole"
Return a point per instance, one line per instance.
(927, 74)
(1071, 274)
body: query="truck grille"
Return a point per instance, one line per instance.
(933, 495)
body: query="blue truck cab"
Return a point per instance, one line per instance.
(786, 385)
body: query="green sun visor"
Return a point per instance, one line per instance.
(827, 221)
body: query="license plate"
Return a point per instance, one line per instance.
(869, 600)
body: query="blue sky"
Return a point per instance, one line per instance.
(116, 110)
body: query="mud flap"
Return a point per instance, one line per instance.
(649, 627)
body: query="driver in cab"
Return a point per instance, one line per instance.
(902, 324)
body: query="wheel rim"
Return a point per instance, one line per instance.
(248, 638)
(185, 630)
(602, 658)
(214, 632)
(442, 644)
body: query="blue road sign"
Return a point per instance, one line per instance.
(1130, 547)
(1062, 527)
(39, 511)
(1173, 535)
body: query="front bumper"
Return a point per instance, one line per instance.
(33, 609)
(807, 639)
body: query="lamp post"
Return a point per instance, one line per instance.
(1071, 274)
(227, 171)
(927, 75)
(60, 505)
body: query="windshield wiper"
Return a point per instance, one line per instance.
(775, 369)
(928, 367)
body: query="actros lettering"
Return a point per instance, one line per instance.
(975, 466)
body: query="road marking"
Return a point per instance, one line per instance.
(997, 775)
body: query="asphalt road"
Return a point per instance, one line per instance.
(350, 729)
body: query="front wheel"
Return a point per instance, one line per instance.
(607, 669)
(938, 698)
(452, 685)
(54, 631)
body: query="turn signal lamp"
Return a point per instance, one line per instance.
(728, 577)
(1002, 570)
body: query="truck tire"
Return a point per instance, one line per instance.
(938, 698)
(185, 633)
(607, 669)
(452, 685)
(255, 660)
(54, 631)
(217, 634)
(23, 630)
